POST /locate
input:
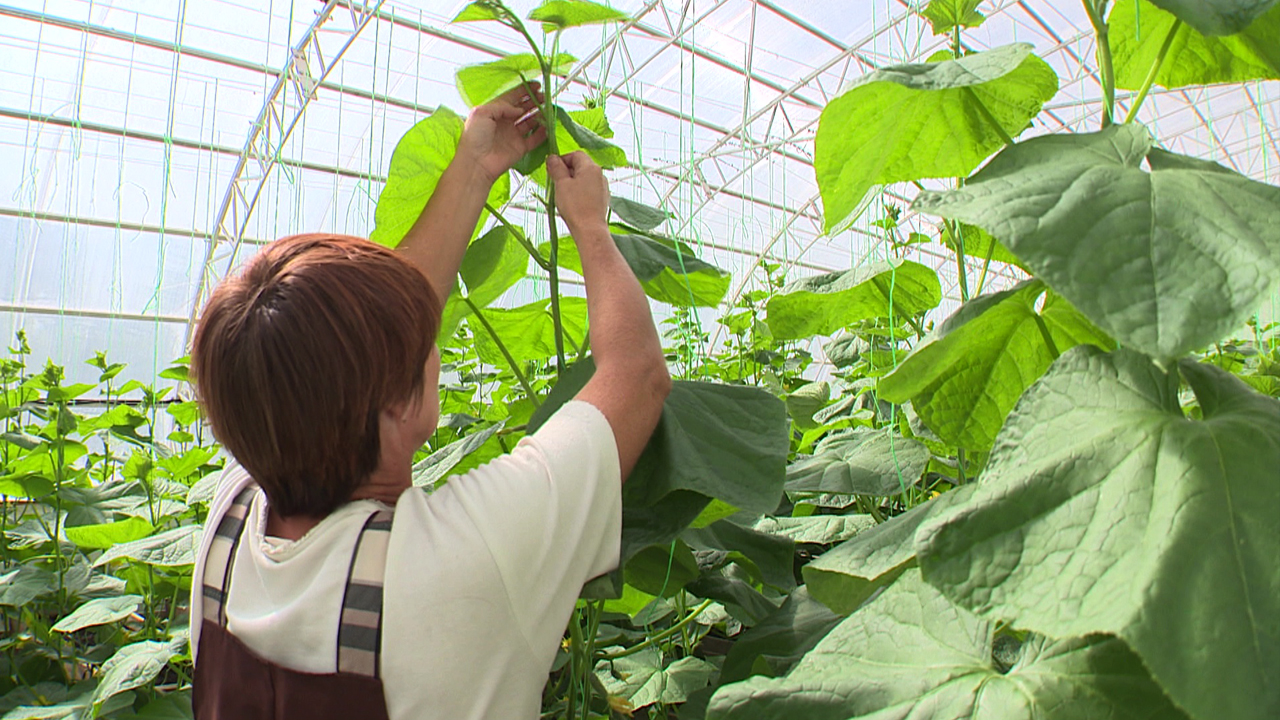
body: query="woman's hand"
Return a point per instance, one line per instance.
(582, 192)
(499, 133)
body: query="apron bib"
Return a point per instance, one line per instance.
(232, 682)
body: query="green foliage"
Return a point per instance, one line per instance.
(92, 581)
(644, 678)
(859, 462)
(529, 332)
(1099, 476)
(478, 84)
(978, 244)
(965, 378)
(1088, 498)
(823, 304)
(1174, 281)
(668, 270)
(560, 14)
(849, 573)
(480, 11)
(1140, 31)
(714, 441)
(420, 158)
(911, 653)
(886, 127)
(1217, 17)
(945, 16)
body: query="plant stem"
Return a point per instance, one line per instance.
(553, 274)
(1155, 70)
(954, 228)
(982, 279)
(515, 367)
(655, 639)
(1097, 10)
(575, 663)
(519, 235)
(547, 108)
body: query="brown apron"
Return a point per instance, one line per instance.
(233, 682)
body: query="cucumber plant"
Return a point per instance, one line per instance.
(1116, 556)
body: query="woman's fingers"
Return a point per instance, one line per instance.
(520, 97)
(535, 138)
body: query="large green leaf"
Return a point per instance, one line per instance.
(817, 529)
(133, 666)
(643, 678)
(780, 639)
(931, 120)
(772, 556)
(979, 245)
(1138, 32)
(560, 14)
(492, 265)
(606, 154)
(669, 271)
(105, 535)
(727, 442)
(528, 331)
(724, 441)
(587, 130)
(638, 215)
(1165, 262)
(910, 653)
(964, 380)
(860, 462)
(822, 305)
(1104, 509)
(478, 84)
(1217, 17)
(742, 601)
(168, 549)
(478, 11)
(843, 577)
(806, 400)
(26, 583)
(98, 612)
(434, 467)
(420, 158)
(945, 16)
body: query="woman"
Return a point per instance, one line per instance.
(328, 586)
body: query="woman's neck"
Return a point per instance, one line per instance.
(290, 528)
(383, 484)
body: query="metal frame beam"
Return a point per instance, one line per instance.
(120, 132)
(112, 224)
(308, 66)
(188, 51)
(124, 133)
(97, 314)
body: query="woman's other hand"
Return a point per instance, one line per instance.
(499, 133)
(582, 192)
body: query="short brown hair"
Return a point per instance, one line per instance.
(295, 358)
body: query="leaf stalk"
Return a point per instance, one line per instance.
(1155, 70)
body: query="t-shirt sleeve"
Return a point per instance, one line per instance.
(550, 514)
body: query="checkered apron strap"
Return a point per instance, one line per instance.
(221, 557)
(360, 630)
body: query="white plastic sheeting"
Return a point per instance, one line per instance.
(121, 123)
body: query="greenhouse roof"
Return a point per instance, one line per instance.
(140, 154)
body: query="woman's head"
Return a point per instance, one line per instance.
(297, 356)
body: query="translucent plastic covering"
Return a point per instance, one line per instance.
(132, 177)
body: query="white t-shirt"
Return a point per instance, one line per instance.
(482, 574)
